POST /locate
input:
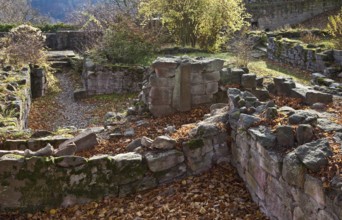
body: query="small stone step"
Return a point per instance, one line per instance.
(60, 55)
(59, 64)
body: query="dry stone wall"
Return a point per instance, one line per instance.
(270, 14)
(304, 56)
(15, 99)
(98, 79)
(326, 64)
(278, 178)
(30, 183)
(70, 40)
(179, 83)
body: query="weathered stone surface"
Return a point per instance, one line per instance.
(161, 161)
(293, 170)
(315, 154)
(261, 94)
(181, 100)
(15, 145)
(211, 88)
(231, 77)
(304, 134)
(285, 136)
(248, 81)
(69, 149)
(212, 76)
(314, 188)
(36, 144)
(286, 110)
(70, 161)
(130, 167)
(83, 141)
(298, 214)
(271, 113)
(160, 96)
(303, 117)
(163, 142)
(171, 174)
(283, 87)
(161, 82)
(217, 106)
(198, 89)
(133, 145)
(160, 110)
(316, 96)
(146, 142)
(41, 133)
(201, 99)
(263, 136)
(327, 125)
(247, 121)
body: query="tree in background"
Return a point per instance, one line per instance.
(18, 12)
(104, 13)
(334, 27)
(206, 23)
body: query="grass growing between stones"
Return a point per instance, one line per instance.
(228, 57)
(272, 69)
(260, 67)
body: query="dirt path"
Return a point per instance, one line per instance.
(58, 110)
(74, 113)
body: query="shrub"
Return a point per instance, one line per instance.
(309, 38)
(243, 47)
(126, 43)
(24, 45)
(334, 27)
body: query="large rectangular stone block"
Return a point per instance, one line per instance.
(211, 76)
(201, 99)
(160, 96)
(198, 89)
(211, 88)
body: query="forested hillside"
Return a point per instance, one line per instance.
(58, 10)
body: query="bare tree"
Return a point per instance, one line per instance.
(19, 11)
(106, 12)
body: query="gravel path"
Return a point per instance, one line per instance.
(74, 113)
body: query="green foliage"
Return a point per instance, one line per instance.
(206, 23)
(125, 43)
(6, 27)
(50, 28)
(334, 27)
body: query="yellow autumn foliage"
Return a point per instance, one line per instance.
(203, 23)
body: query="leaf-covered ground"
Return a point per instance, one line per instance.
(154, 127)
(216, 194)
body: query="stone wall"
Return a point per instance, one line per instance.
(270, 14)
(31, 183)
(15, 98)
(70, 40)
(179, 83)
(98, 79)
(308, 57)
(277, 164)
